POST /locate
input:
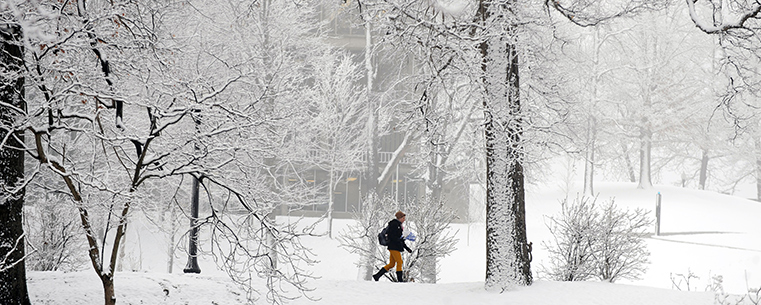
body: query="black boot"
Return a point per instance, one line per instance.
(380, 273)
(400, 276)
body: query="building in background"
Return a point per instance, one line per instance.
(405, 185)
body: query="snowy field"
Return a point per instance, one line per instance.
(705, 233)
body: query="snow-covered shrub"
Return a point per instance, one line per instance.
(684, 281)
(571, 250)
(620, 252)
(361, 237)
(428, 220)
(752, 297)
(597, 242)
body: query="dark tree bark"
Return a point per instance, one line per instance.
(507, 251)
(13, 288)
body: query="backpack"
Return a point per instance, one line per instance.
(382, 237)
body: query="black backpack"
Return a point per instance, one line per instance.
(382, 237)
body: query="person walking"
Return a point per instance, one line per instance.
(395, 247)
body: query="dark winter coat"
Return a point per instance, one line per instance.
(394, 233)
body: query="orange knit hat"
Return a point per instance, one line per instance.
(400, 214)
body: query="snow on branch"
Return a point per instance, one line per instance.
(395, 158)
(587, 14)
(728, 20)
(6, 263)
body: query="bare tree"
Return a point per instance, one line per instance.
(339, 121)
(590, 64)
(259, 137)
(383, 102)
(736, 28)
(65, 89)
(662, 102)
(115, 94)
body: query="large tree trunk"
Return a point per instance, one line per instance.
(507, 252)
(12, 268)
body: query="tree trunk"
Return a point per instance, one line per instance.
(703, 170)
(644, 158)
(331, 190)
(272, 242)
(108, 290)
(589, 159)
(371, 179)
(434, 185)
(170, 252)
(507, 260)
(758, 174)
(435, 179)
(646, 131)
(168, 215)
(13, 288)
(628, 161)
(192, 265)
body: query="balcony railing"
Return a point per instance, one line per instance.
(384, 156)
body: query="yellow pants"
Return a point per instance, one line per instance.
(395, 258)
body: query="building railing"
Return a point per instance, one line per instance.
(384, 157)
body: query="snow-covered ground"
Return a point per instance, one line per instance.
(703, 233)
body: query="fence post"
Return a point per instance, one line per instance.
(658, 214)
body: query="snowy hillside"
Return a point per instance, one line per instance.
(705, 233)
